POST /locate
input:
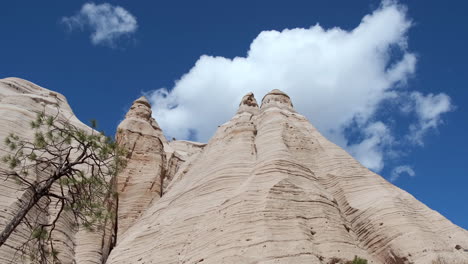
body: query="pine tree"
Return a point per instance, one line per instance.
(63, 167)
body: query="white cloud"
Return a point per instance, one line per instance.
(429, 109)
(370, 151)
(336, 78)
(108, 23)
(397, 171)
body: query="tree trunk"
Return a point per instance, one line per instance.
(20, 215)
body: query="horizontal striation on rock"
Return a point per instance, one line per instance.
(269, 188)
(152, 163)
(141, 180)
(20, 101)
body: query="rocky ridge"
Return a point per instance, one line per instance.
(267, 188)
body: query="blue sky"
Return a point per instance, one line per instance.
(398, 121)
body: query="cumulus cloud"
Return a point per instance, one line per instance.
(429, 109)
(370, 151)
(398, 171)
(108, 23)
(336, 78)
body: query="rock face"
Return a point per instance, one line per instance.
(151, 163)
(20, 100)
(141, 181)
(269, 188)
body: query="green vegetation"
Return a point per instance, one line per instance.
(65, 168)
(358, 260)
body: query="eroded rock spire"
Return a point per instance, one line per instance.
(141, 180)
(248, 104)
(269, 188)
(276, 98)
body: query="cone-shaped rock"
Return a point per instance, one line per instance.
(248, 104)
(277, 98)
(141, 180)
(139, 119)
(269, 188)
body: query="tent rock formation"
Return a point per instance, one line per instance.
(267, 188)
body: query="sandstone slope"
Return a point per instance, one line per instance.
(20, 100)
(269, 188)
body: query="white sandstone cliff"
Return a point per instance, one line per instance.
(269, 188)
(151, 162)
(20, 101)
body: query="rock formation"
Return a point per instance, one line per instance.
(267, 188)
(20, 101)
(141, 181)
(151, 162)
